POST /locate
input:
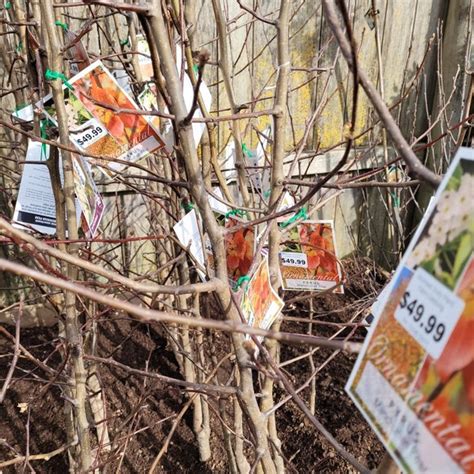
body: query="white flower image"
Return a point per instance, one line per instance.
(461, 214)
(445, 205)
(439, 225)
(424, 250)
(453, 216)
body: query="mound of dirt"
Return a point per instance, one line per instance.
(141, 411)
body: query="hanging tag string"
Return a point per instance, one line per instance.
(301, 214)
(240, 281)
(52, 75)
(396, 199)
(44, 136)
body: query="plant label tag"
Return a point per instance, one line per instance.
(429, 311)
(294, 259)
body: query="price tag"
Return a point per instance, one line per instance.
(294, 259)
(90, 133)
(429, 311)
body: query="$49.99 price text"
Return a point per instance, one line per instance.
(415, 309)
(429, 311)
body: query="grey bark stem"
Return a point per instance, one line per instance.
(280, 106)
(73, 333)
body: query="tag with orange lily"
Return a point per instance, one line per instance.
(309, 258)
(260, 303)
(101, 119)
(240, 248)
(414, 379)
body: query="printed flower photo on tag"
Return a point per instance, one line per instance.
(309, 260)
(98, 123)
(260, 303)
(240, 249)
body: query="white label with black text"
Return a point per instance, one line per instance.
(294, 259)
(429, 311)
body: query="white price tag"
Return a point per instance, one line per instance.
(429, 311)
(294, 259)
(89, 133)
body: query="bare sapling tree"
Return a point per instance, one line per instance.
(260, 143)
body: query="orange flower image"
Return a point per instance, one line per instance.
(98, 88)
(260, 294)
(239, 249)
(317, 242)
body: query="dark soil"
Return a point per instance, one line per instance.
(145, 407)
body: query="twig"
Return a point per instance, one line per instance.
(118, 6)
(203, 59)
(196, 387)
(38, 457)
(16, 352)
(256, 15)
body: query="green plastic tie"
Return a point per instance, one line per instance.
(246, 150)
(235, 212)
(52, 75)
(19, 48)
(62, 25)
(240, 281)
(301, 214)
(124, 42)
(187, 206)
(8, 5)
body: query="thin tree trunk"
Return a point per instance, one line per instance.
(73, 333)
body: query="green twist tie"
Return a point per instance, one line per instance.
(301, 214)
(187, 206)
(19, 48)
(52, 75)
(61, 24)
(246, 150)
(235, 212)
(124, 42)
(8, 5)
(240, 281)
